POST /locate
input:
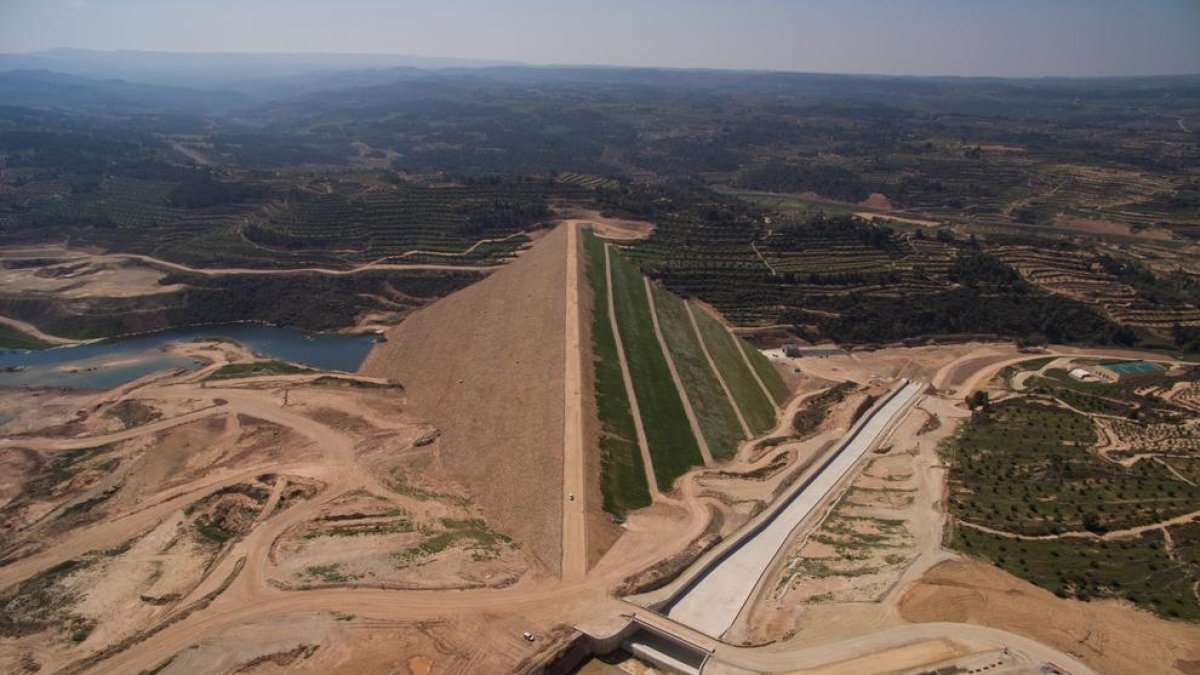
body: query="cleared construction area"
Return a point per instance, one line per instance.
(712, 600)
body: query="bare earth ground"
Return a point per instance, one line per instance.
(293, 497)
(289, 523)
(75, 275)
(875, 560)
(486, 363)
(1114, 637)
(611, 228)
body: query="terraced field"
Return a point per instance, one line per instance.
(1027, 469)
(1082, 275)
(390, 222)
(1033, 491)
(329, 223)
(757, 272)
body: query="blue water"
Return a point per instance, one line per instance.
(101, 365)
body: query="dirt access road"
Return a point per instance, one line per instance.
(574, 520)
(524, 305)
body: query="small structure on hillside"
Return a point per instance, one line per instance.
(794, 351)
(1084, 375)
(1126, 371)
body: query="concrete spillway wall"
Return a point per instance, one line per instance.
(712, 594)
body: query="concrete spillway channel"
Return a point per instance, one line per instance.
(712, 595)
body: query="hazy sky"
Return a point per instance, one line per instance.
(964, 37)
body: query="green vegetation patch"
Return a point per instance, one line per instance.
(62, 468)
(1139, 569)
(39, 602)
(766, 372)
(622, 474)
(815, 408)
(1026, 468)
(672, 446)
(11, 338)
(256, 369)
(717, 418)
(1009, 372)
(330, 574)
(335, 381)
(482, 541)
(756, 408)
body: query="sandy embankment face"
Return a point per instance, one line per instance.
(485, 366)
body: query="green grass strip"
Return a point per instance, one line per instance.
(256, 369)
(766, 372)
(714, 412)
(673, 449)
(11, 338)
(622, 474)
(756, 408)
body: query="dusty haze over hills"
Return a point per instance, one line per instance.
(913, 37)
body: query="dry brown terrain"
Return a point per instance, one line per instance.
(484, 366)
(618, 229)
(411, 521)
(1113, 636)
(69, 274)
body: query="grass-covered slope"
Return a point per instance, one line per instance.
(673, 449)
(622, 474)
(756, 408)
(718, 421)
(766, 372)
(11, 338)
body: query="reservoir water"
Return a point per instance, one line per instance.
(108, 363)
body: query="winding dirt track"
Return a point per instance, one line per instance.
(969, 372)
(251, 598)
(367, 267)
(578, 595)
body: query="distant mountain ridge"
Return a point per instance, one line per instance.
(218, 70)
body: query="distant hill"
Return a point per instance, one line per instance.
(241, 72)
(46, 89)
